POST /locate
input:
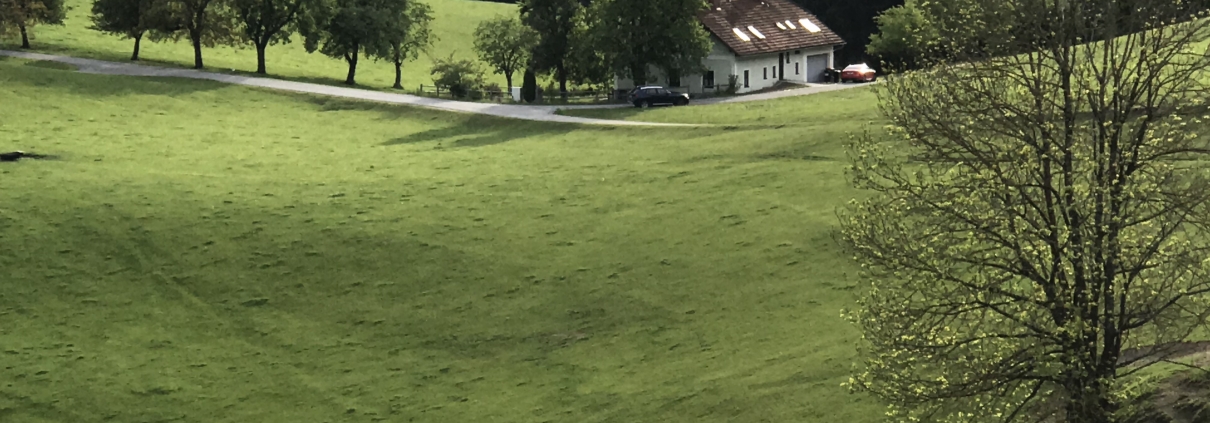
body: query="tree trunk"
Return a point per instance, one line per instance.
(352, 59)
(508, 90)
(260, 57)
(24, 36)
(138, 40)
(195, 37)
(398, 75)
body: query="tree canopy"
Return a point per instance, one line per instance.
(637, 34)
(505, 44)
(1035, 215)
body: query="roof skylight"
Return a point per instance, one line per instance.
(741, 34)
(781, 26)
(808, 25)
(755, 32)
(791, 25)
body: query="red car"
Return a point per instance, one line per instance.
(858, 73)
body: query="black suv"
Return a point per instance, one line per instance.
(651, 96)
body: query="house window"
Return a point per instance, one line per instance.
(775, 72)
(708, 79)
(796, 68)
(745, 78)
(787, 58)
(766, 72)
(674, 79)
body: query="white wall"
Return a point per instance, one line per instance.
(760, 71)
(724, 63)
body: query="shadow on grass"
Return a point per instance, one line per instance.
(481, 131)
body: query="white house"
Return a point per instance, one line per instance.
(761, 42)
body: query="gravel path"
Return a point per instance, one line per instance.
(535, 113)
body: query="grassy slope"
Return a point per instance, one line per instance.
(851, 107)
(454, 23)
(417, 265)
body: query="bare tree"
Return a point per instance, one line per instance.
(1039, 206)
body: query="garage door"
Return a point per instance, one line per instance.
(815, 66)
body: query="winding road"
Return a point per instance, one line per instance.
(534, 113)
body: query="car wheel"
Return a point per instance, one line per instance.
(644, 104)
(638, 104)
(682, 102)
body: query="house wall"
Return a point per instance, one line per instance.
(724, 63)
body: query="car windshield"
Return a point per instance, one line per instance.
(855, 67)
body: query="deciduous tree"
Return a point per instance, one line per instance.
(267, 22)
(206, 23)
(129, 18)
(21, 15)
(1035, 215)
(554, 21)
(409, 36)
(505, 44)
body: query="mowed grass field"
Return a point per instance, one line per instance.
(454, 25)
(208, 253)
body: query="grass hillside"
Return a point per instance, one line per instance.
(209, 253)
(848, 108)
(454, 23)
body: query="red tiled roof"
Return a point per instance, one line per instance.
(724, 15)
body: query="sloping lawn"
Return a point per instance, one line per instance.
(453, 25)
(208, 253)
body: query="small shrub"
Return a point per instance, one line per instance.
(732, 84)
(461, 77)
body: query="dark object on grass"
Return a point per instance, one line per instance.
(12, 156)
(18, 155)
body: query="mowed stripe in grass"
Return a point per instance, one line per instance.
(208, 253)
(453, 26)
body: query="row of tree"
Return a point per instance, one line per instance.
(391, 30)
(588, 43)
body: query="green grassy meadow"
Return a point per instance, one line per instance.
(209, 253)
(848, 109)
(454, 24)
